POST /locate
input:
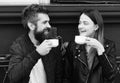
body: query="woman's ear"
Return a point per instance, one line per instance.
(31, 26)
(96, 27)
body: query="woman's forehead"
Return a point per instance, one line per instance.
(85, 17)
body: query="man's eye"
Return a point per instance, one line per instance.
(44, 22)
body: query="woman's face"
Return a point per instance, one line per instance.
(86, 26)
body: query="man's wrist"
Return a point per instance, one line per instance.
(35, 55)
(101, 51)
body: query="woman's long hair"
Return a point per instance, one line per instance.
(97, 19)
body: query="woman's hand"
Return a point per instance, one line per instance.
(95, 44)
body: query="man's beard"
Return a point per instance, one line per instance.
(48, 33)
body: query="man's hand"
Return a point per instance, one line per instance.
(44, 48)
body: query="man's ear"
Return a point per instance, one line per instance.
(31, 26)
(96, 27)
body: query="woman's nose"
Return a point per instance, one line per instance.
(80, 26)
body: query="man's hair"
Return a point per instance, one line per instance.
(30, 13)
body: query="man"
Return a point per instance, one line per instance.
(34, 58)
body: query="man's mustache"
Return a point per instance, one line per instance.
(47, 29)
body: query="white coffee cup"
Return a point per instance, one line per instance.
(55, 42)
(80, 39)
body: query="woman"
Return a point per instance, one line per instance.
(93, 60)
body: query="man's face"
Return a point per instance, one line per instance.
(43, 22)
(42, 28)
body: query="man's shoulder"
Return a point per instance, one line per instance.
(19, 39)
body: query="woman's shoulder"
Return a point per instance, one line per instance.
(69, 45)
(108, 42)
(109, 45)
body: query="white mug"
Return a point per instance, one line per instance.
(55, 42)
(80, 39)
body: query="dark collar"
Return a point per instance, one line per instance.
(30, 46)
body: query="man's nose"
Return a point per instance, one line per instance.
(48, 25)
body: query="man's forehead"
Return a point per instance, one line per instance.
(43, 16)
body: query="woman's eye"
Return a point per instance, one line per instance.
(86, 23)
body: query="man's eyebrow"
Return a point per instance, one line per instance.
(45, 21)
